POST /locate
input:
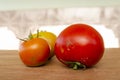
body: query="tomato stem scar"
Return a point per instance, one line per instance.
(74, 65)
(77, 65)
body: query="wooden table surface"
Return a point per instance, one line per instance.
(11, 68)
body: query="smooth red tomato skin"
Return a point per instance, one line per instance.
(79, 43)
(34, 52)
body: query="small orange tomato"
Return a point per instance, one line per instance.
(50, 38)
(34, 52)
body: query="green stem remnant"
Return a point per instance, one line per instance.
(37, 33)
(23, 39)
(76, 65)
(30, 35)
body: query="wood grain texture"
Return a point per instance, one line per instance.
(11, 68)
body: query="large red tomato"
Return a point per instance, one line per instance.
(79, 45)
(34, 52)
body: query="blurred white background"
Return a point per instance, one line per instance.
(8, 40)
(18, 23)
